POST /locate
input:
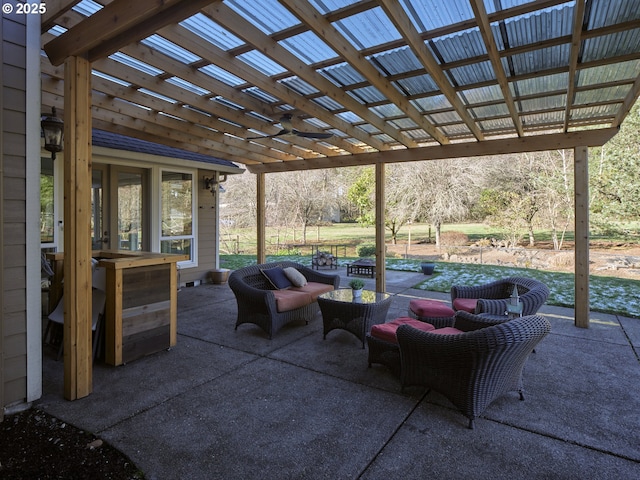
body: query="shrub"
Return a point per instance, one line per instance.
(454, 238)
(366, 250)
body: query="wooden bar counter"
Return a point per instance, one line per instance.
(142, 299)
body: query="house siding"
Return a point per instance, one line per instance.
(13, 326)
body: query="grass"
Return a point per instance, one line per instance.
(607, 294)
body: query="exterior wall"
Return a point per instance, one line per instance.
(13, 175)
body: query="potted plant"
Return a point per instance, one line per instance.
(356, 285)
(427, 268)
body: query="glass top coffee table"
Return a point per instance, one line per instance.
(341, 310)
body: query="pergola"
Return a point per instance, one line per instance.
(390, 80)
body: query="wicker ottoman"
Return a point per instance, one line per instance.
(382, 343)
(434, 312)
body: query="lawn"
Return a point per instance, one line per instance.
(607, 294)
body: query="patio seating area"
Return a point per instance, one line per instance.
(235, 404)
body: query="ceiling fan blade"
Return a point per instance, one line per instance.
(318, 135)
(279, 134)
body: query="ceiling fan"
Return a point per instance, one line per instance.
(288, 130)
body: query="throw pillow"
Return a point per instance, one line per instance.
(295, 277)
(276, 278)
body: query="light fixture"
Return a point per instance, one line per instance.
(53, 131)
(211, 183)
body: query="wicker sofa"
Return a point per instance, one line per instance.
(492, 298)
(269, 308)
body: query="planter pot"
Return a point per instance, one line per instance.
(219, 276)
(357, 293)
(427, 268)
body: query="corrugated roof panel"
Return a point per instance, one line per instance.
(309, 48)
(431, 14)
(404, 123)
(349, 117)
(458, 46)
(537, 60)
(179, 82)
(396, 61)
(157, 95)
(418, 85)
(368, 29)
(606, 94)
(497, 124)
(368, 95)
(388, 110)
(267, 15)
(369, 129)
(608, 73)
(418, 135)
(541, 103)
(211, 32)
(492, 5)
(431, 103)
(534, 86)
(455, 130)
(222, 75)
(300, 86)
(260, 94)
(262, 63)
(608, 12)
(135, 63)
(87, 7)
(490, 93)
(488, 111)
(384, 138)
(328, 103)
(170, 49)
(446, 117)
(112, 79)
(342, 74)
(474, 73)
(542, 119)
(594, 111)
(613, 45)
(328, 6)
(535, 27)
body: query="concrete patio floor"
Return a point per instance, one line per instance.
(227, 404)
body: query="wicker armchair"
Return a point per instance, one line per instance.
(492, 298)
(472, 368)
(256, 300)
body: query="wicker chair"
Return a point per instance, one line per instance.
(492, 298)
(256, 300)
(474, 367)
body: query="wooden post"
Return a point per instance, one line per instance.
(260, 217)
(78, 358)
(380, 253)
(581, 251)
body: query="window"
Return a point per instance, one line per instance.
(177, 232)
(47, 202)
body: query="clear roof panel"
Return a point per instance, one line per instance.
(97, 73)
(595, 111)
(260, 95)
(368, 29)
(606, 94)
(342, 74)
(474, 73)
(396, 61)
(368, 94)
(349, 117)
(418, 85)
(222, 75)
(188, 86)
(542, 103)
(535, 27)
(536, 60)
(595, 75)
(489, 93)
(431, 14)
(328, 6)
(543, 119)
(135, 63)
(308, 47)
(616, 44)
(608, 12)
(262, 63)
(431, 103)
(158, 95)
(536, 85)
(210, 31)
(458, 46)
(487, 111)
(388, 110)
(170, 49)
(87, 7)
(267, 15)
(299, 86)
(328, 103)
(492, 5)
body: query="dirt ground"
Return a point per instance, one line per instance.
(620, 260)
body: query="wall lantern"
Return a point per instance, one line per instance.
(211, 183)
(53, 130)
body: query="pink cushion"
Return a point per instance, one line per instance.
(430, 308)
(387, 331)
(314, 289)
(466, 304)
(447, 331)
(290, 299)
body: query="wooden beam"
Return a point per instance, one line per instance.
(397, 14)
(262, 42)
(55, 8)
(581, 197)
(261, 232)
(534, 143)
(381, 283)
(78, 358)
(325, 30)
(120, 23)
(576, 40)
